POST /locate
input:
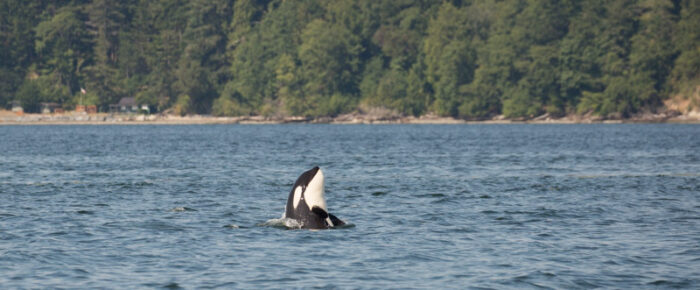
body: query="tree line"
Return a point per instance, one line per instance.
(466, 59)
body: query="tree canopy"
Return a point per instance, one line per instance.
(465, 59)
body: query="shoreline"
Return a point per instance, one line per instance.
(9, 118)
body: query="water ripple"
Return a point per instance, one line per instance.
(482, 207)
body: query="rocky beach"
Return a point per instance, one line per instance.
(72, 118)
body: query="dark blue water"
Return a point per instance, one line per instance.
(456, 206)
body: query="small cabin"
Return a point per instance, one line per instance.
(86, 109)
(17, 107)
(91, 109)
(49, 108)
(128, 105)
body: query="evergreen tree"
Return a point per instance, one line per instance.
(63, 46)
(449, 56)
(685, 75)
(329, 65)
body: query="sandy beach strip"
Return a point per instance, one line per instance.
(10, 118)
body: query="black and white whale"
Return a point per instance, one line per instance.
(307, 205)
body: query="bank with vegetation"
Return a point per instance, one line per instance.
(472, 60)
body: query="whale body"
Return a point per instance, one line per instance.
(307, 204)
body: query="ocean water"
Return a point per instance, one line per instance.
(430, 206)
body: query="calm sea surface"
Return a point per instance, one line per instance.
(432, 206)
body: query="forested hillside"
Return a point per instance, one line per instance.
(466, 59)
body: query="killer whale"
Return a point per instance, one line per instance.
(306, 202)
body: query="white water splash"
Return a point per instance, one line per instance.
(283, 223)
(182, 209)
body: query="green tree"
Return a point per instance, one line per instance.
(616, 87)
(417, 99)
(183, 105)
(450, 56)
(288, 85)
(580, 55)
(329, 66)
(107, 19)
(651, 54)
(202, 66)
(29, 95)
(17, 23)
(64, 46)
(685, 75)
(251, 81)
(372, 74)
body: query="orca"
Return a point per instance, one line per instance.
(306, 202)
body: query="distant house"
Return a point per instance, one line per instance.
(17, 107)
(48, 108)
(128, 105)
(125, 105)
(86, 109)
(91, 109)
